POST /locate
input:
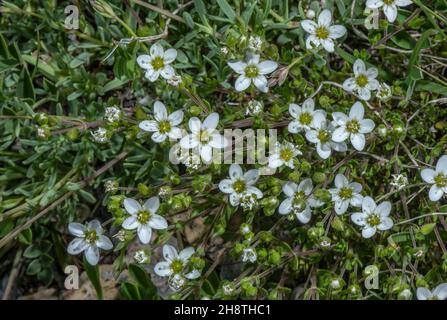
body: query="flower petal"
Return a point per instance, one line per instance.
(152, 75)
(104, 243)
(364, 93)
(176, 118)
(251, 176)
(428, 175)
(341, 206)
(435, 193)
(325, 18)
(350, 84)
(149, 125)
(170, 55)
(337, 31)
(304, 216)
(368, 205)
(144, 61)
(366, 126)
(144, 233)
(238, 66)
(130, 223)
(441, 165)
(309, 26)
(189, 142)
(195, 125)
(156, 50)
(358, 141)
(157, 222)
(306, 186)
(390, 12)
(194, 274)
(167, 72)
(242, 83)
(158, 137)
(163, 269)
(359, 67)
(286, 206)
(152, 204)
(368, 232)
(441, 291)
(340, 181)
(226, 186)
(385, 224)
(357, 111)
(327, 44)
(211, 121)
(92, 255)
(132, 206)
(186, 253)
(235, 172)
(340, 134)
(160, 112)
(260, 82)
(359, 218)
(384, 209)
(266, 67)
(206, 153)
(76, 246)
(76, 229)
(423, 294)
(169, 252)
(374, 4)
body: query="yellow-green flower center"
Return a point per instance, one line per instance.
(239, 186)
(345, 193)
(177, 266)
(158, 63)
(353, 126)
(361, 80)
(204, 136)
(143, 216)
(323, 136)
(286, 154)
(91, 236)
(299, 195)
(305, 118)
(322, 32)
(373, 220)
(440, 180)
(164, 126)
(388, 2)
(251, 71)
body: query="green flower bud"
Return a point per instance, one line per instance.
(144, 190)
(319, 177)
(274, 257)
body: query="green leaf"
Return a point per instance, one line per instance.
(130, 291)
(227, 9)
(93, 275)
(32, 252)
(25, 87)
(34, 268)
(413, 72)
(140, 276)
(426, 229)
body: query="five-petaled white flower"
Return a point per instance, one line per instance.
(389, 7)
(204, 137)
(158, 62)
(322, 137)
(373, 217)
(239, 185)
(89, 238)
(300, 200)
(164, 125)
(304, 116)
(440, 293)
(144, 218)
(353, 127)
(176, 264)
(363, 82)
(322, 33)
(284, 154)
(438, 179)
(254, 72)
(345, 193)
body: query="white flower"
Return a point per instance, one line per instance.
(176, 264)
(239, 185)
(248, 254)
(254, 72)
(438, 179)
(389, 7)
(345, 194)
(399, 181)
(310, 14)
(204, 136)
(100, 135)
(254, 107)
(284, 154)
(89, 238)
(112, 114)
(228, 289)
(322, 137)
(255, 43)
(373, 217)
(120, 235)
(305, 116)
(363, 82)
(164, 125)
(143, 218)
(175, 80)
(405, 294)
(384, 92)
(353, 127)
(440, 293)
(158, 62)
(141, 257)
(322, 33)
(299, 200)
